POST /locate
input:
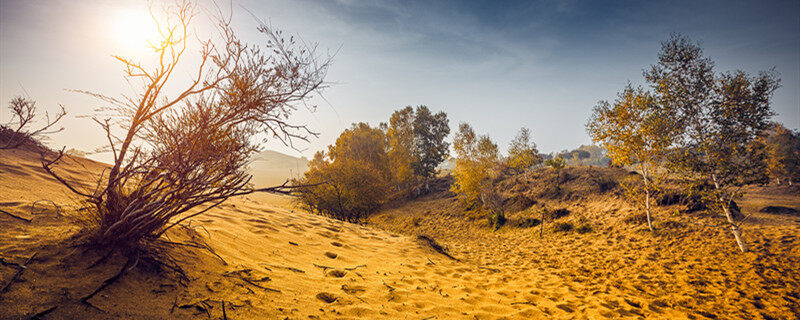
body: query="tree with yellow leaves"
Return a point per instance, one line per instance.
(476, 157)
(634, 132)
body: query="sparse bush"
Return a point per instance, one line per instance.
(584, 228)
(497, 220)
(562, 227)
(603, 183)
(177, 153)
(637, 218)
(527, 222)
(556, 213)
(18, 132)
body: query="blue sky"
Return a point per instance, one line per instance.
(498, 65)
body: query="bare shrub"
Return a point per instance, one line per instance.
(177, 157)
(24, 114)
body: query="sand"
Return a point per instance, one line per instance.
(274, 261)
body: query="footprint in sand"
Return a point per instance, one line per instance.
(327, 297)
(336, 244)
(337, 273)
(331, 255)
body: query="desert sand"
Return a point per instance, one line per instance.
(270, 260)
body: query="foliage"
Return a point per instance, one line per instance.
(557, 163)
(522, 152)
(24, 114)
(416, 144)
(176, 153)
(715, 120)
(783, 153)
(352, 179)
(476, 158)
(563, 227)
(634, 132)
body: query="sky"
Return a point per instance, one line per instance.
(498, 65)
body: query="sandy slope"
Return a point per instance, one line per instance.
(687, 270)
(276, 263)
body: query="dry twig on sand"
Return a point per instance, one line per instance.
(15, 216)
(20, 269)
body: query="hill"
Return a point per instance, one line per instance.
(268, 261)
(271, 168)
(595, 258)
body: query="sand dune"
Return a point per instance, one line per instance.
(274, 262)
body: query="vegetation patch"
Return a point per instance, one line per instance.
(584, 228)
(563, 227)
(779, 210)
(526, 222)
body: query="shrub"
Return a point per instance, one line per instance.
(638, 218)
(556, 213)
(527, 222)
(562, 227)
(188, 146)
(497, 220)
(584, 228)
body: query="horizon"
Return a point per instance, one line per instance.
(541, 65)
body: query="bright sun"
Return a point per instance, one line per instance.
(134, 29)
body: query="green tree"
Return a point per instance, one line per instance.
(430, 147)
(634, 132)
(716, 120)
(416, 144)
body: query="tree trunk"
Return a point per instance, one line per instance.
(735, 229)
(647, 199)
(541, 230)
(728, 215)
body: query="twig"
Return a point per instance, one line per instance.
(42, 313)
(16, 216)
(107, 282)
(324, 268)
(174, 303)
(356, 267)
(429, 260)
(224, 314)
(282, 267)
(18, 273)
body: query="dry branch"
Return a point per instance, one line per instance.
(16, 216)
(17, 274)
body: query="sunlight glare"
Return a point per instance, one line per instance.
(135, 29)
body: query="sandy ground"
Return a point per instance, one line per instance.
(275, 262)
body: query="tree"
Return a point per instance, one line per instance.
(431, 149)
(23, 115)
(634, 132)
(476, 157)
(522, 152)
(783, 153)
(416, 144)
(175, 153)
(400, 138)
(350, 181)
(557, 163)
(716, 120)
